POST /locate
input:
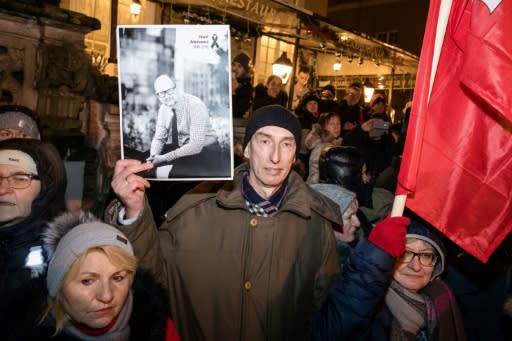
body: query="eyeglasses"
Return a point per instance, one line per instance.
(19, 181)
(169, 92)
(425, 258)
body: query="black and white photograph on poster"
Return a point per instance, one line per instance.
(175, 100)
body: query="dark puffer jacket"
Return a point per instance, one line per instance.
(22, 280)
(355, 295)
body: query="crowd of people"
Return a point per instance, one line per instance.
(300, 245)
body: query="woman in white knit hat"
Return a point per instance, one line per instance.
(94, 289)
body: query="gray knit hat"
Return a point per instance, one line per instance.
(273, 115)
(336, 193)
(69, 236)
(17, 118)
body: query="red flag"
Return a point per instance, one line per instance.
(457, 162)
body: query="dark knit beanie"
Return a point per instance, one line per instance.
(419, 230)
(243, 59)
(273, 115)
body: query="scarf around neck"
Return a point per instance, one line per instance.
(439, 313)
(409, 312)
(120, 331)
(259, 206)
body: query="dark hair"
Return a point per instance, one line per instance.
(326, 116)
(304, 68)
(50, 168)
(330, 87)
(355, 85)
(341, 165)
(308, 98)
(379, 100)
(271, 77)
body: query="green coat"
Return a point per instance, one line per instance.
(232, 275)
(382, 200)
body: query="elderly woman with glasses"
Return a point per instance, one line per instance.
(418, 305)
(32, 187)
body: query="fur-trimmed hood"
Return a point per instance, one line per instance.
(319, 135)
(61, 225)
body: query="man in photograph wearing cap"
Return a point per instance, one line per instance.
(241, 85)
(248, 259)
(184, 136)
(17, 121)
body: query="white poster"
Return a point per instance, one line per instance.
(175, 100)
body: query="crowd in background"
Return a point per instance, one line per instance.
(298, 246)
(326, 120)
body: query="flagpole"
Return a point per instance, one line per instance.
(399, 205)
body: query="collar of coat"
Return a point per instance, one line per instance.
(300, 198)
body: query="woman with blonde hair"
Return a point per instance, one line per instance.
(94, 289)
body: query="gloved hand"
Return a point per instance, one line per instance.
(389, 235)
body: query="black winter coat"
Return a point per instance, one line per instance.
(242, 99)
(22, 278)
(22, 285)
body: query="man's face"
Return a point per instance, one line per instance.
(6, 134)
(16, 204)
(237, 69)
(274, 87)
(353, 96)
(168, 97)
(302, 78)
(327, 95)
(312, 106)
(271, 153)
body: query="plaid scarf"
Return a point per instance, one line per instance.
(259, 206)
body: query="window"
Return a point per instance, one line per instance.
(390, 37)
